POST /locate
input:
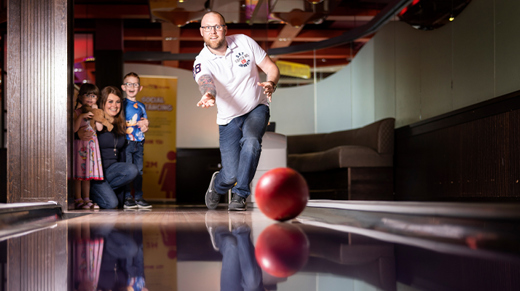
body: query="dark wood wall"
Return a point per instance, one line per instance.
(472, 154)
(39, 87)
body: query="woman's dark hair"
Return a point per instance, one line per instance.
(87, 89)
(119, 120)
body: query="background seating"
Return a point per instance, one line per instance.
(354, 164)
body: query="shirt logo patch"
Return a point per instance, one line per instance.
(243, 59)
(196, 70)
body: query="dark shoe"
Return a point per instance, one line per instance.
(141, 203)
(129, 203)
(212, 197)
(238, 203)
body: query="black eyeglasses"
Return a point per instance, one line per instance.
(217, 27)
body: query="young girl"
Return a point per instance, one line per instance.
(87, 159)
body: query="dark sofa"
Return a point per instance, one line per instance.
(354, 164)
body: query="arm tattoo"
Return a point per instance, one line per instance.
(206, 84)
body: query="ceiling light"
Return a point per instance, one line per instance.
(452, 17)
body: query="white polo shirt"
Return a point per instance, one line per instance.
(235, 75)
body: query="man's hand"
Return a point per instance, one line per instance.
(84, 134)
(268, 89)
(207, 100)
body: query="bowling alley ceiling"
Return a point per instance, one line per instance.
(159, 31)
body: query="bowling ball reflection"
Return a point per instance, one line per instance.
(282, 249)
(281, 193)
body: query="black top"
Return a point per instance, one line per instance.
(111, 147)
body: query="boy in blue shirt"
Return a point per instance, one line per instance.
(134, 112)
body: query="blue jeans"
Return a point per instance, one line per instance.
(240, 271)
(117, 175)
(240, 148)
(134, 155)
(122, 257)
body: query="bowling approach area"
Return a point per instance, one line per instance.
(331, 245)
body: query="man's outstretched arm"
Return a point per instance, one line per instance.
(208, 90)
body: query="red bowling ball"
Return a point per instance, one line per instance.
(281, 194)
(282, 249)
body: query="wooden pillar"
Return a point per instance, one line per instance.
(38, 94)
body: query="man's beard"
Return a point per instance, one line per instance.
(218, 45)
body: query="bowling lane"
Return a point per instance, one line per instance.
(181, 248)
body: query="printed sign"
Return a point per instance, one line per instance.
(159, 95)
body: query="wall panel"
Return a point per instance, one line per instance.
(363, 98)
(408, 74)
(469, 155)
(507, 46)
(436, 71)
(334, 102)
(293, 110)
(473, 54)
(384, 72)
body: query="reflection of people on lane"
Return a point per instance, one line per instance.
(240, 271)
(167, 177)
(122, 266)
(87, 256)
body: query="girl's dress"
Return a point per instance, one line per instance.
(87, 159)
(87, 257)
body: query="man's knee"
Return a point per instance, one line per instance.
(251, 144)
(228, 179)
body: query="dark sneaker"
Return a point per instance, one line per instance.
(130, 203)
(212, 197)
(238, 203)
(141, 203)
